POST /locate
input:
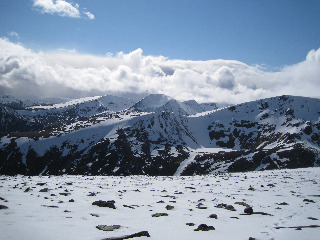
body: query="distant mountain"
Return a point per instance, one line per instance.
(158, 135)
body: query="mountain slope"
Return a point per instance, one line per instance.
(161, 136)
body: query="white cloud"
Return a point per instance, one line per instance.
(60, 7)
(14, 35)
(70, 74)
(89, 15)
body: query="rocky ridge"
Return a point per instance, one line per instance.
(159, 135)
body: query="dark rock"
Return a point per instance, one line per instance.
(27, 189)
(129, 206)
(248, 210)
(71, 200)
(3, 207)
(242, 204)
(94, 215)
(228, 207)
(308, 200)
(213, 216)
(283, 204)
(65, 193)
(204, 227)
(41, 184)
(139, 234)
(160, 214)
(190, 224)
(92, 194)
(109, 204)
(169, 207)
(44, 190)
(312, 218)
(108, 228)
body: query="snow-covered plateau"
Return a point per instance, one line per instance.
(272, 204)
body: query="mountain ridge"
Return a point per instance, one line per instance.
(117, 136)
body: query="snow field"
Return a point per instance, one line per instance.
(290, 197)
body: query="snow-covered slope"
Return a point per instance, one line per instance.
(158, 135)
(284, 205)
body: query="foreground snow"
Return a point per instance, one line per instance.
(282, 198)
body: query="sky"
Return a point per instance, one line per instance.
(226, 51)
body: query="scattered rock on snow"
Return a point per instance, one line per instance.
(248, 210)
(139, 234)
(108, 228)
(242, 204)
(3, 207)
(65, 193)
(190, 224)
(308, 200)
(160, 214)
(44, 190)
(213, 216)
(226, 206)
(204, 227)
(109, 204)
(169, 207)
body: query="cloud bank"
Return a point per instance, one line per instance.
(70, 74)
(61, 8)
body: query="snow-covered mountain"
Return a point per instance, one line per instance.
(159, 135)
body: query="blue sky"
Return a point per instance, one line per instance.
(269, 32)
(272, 35)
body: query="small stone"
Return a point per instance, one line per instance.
(230, 208)
(3, 207)
(71, 200)
(204, 227)
(190, 224)
(213, 216)
(108, 228)
(65, 193)
(160, 214)
(169, 207)
(44, 190)
(139, 234)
